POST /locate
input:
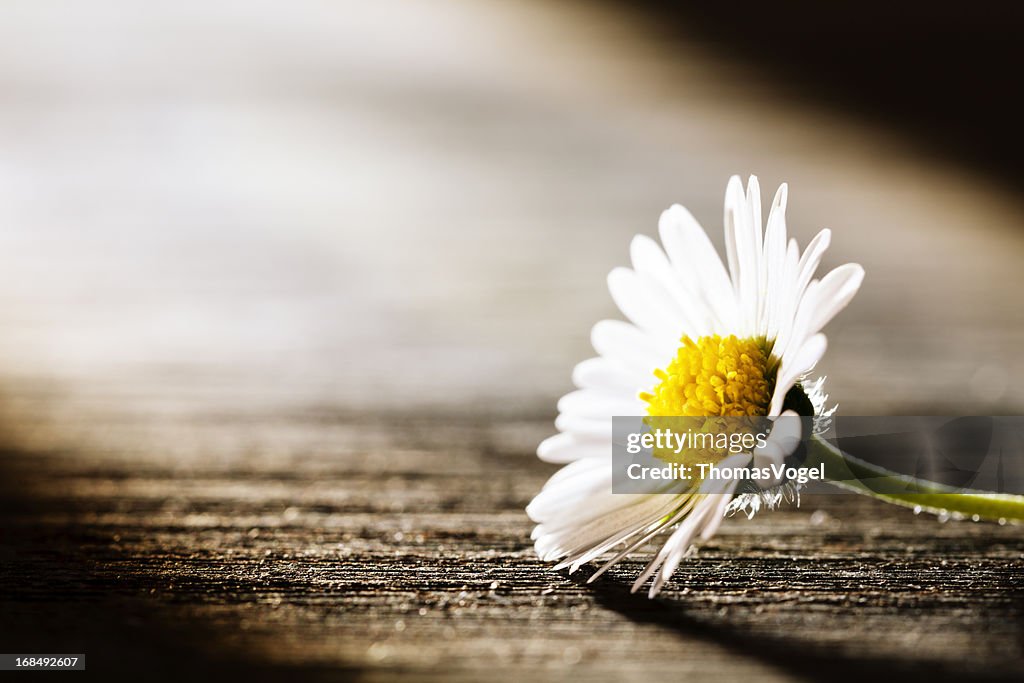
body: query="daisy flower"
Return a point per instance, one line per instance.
(703, 339)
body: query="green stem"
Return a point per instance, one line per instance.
(849, 472)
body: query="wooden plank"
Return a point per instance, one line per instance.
(318, 565)
(288, 297)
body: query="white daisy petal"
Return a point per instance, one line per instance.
(759, 274)
(628, 347)
(686, 501)
(782, 441)
(714, 498)
(647, 304)
(820, 302)
(586, 470)
(602, 518)
(733, 204)
(747, 243)
(780, 324)
(598, 404)
(643, 515)
(649, 261)
(675, 548)
(569, 446)
(600, 373)
(810, 260)
(794, 366)
(774, 260)
(585, 426)
(716, 516)
(835, 291)
(561, 503)
(698, 266)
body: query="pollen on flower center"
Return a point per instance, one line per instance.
(714, 376)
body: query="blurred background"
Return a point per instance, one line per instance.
(244, 242)
(415, 204)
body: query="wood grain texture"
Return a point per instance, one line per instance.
(330, 567)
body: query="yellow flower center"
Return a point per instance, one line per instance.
(714, 376)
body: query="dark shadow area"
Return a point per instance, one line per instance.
(53, 601)
(943, 74)
(793, 656)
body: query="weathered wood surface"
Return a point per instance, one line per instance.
(329, 544)
(288, 296)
